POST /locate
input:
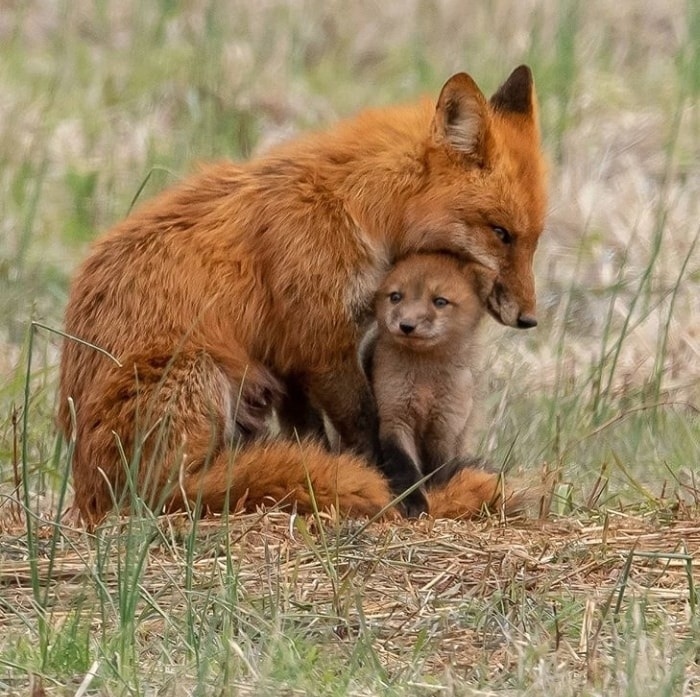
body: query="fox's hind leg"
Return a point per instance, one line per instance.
(148, 426)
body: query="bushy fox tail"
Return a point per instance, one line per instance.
(301, 475)
(472, 491)
(306, 476)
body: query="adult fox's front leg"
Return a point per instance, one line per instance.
(298, 417)
(346, 397)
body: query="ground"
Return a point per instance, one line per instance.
(104, 104)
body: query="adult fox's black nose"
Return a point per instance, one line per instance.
(406, 328)
(527, 321)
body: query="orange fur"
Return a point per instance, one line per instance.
(279, 473)
(472, 491)
(247, 279)
(286, 474)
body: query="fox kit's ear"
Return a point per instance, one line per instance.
(517, 94)
(460, 121)
(480, 278)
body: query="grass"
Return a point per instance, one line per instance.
(104, 104)
(252, 605)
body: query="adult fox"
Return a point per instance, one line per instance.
(245, 287)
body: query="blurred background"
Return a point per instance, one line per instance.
(105, 103)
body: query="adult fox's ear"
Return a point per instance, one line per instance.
(461, 118)
(517, 94)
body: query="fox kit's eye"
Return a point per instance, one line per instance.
(395, 297)
(502, 234)
(440, 302)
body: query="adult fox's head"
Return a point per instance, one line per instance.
(484, 194)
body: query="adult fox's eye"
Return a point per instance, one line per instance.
(395, 297)
(502, 234)
(440, 302)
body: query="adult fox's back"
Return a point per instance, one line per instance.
(243, 288)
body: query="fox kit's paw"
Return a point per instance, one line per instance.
(415, 502)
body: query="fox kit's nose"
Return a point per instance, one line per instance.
(527, 321)
(406, 328)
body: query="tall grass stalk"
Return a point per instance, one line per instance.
(42, 627)
(661, 352)
(104, 104)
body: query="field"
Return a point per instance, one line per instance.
(105, 103)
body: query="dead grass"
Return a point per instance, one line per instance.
(477, 597)
(98, 97)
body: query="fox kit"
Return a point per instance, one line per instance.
(420, 359)
(245, 287)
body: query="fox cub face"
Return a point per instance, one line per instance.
(429, 301)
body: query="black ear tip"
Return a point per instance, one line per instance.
(521, 78)
(515, 94)
(522, 72)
